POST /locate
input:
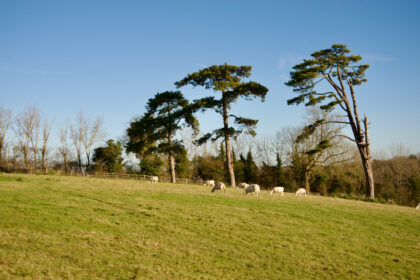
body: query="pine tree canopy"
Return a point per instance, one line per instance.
(165, 113)
(228, 80)
(333, 65)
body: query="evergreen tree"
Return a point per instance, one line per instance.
(154, 132)
(150, 164)
(108, 157)
(226, 79)
(339, 70)
(182, 163)
(251, 169)
(279, 171)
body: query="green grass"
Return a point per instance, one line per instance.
(55, 227)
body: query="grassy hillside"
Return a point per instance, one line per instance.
(84, 228)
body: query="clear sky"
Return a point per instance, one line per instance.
(109, 57)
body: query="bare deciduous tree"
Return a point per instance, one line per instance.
(27, 131)
(76, 136)
(323, 147)
(92, 133)
(85, 134)
(5, 121)
(46, 131)
(64, 145)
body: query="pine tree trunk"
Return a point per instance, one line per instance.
(227, 144)
(172, 166)
(370, 186)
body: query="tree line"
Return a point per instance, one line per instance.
(166, 138)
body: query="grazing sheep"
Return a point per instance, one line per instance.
(277, 190)
(418, 206)
(219, 186)
(209, 183)
(301, 191)
(252, 188)
(242, 185)
(153, 179)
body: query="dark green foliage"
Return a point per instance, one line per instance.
(281, 180)
(267, 176)
(221, 156)
(164, 115)
(250, 168)
(154, 133)
(334, 61)
(322, 145)
(108, 158)
(239, 171)
(150, 164)
(228, 80)
(319, 184)
(182, 164)
(209, 168)
(327, 64)
(414, 187)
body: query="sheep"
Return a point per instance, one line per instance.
(277, 190)
(418, 206)
(209, 183)
(219, 186)
(252, 188)
(301, 191)
(242, 185)
(153, 179)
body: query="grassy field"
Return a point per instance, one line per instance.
(85, 228)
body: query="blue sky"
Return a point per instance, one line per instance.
(109, 57)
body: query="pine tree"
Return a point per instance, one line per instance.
(154, 132)
(226, 79)
(338, 69)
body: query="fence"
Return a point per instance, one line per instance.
(145, 177)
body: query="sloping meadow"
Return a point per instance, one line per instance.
(62, 227)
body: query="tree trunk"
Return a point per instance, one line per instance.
(227, 145)
(35, 160)
(171, 157)
(306, 178)
(370, 186)
(43, 161)
(25, 157)
(364, 149)
(79, 159)
(172, 166)
(88, 160)
(65, 164)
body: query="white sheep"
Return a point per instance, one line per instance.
(252, 188)
(277, 190)
(219, 186)
(301, 191)
(242, 185)
(418, 206)
(153, 179)
(209, 183)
